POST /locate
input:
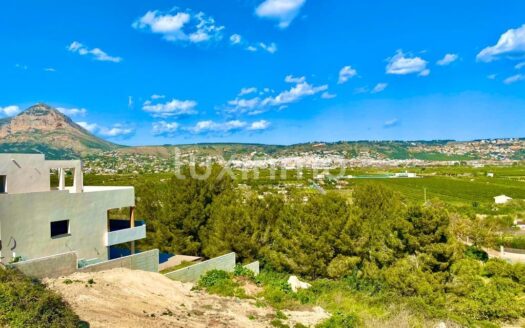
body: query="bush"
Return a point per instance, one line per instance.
(241, 271)
(342, 266)
(340, 320)
(221, 283)
(476, 253)
(25, 302)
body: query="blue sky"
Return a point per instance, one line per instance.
(269, 71)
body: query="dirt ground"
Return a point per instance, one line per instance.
(126, 298)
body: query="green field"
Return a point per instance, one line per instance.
(458, 186)
(457, 191)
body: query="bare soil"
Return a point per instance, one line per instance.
(126, 298)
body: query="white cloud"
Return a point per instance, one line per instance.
(328, 95)
(181, 26)
(425, 72)
(170, 26)
(492, 76)
(235, 39)
(511, 42)
(240, 105)
(50, 69)
(284, 11)
(299, 91)
(10, 110)
(520, 65)
(256, 105)
(514, 78)
(117, 130)
(271, 48)
(96, 53)
(72, 111)
(448, 59)
(292, 79)
(166, 129)
(247, 91)
(259, 125)
(91, 127)
(154, 97)
(174, 107)
(391, 123)
(402, 64)
(22, 67)
(346, 73)
(379, 87)
(211, 126)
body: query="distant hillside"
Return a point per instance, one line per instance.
(43, 129)
(351, 149)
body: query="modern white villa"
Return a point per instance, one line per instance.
(38, 221)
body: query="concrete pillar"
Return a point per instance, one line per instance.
(61, 179)
(78, 180)
(132, 225)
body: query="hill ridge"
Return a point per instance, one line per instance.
(43, 128)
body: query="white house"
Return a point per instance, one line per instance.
(38, 221)
(502, 199)
(405, 174)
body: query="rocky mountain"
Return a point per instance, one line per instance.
(43, 129)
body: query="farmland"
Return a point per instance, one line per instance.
(455, 185)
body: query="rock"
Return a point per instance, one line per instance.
(297, 284)
(441, 325)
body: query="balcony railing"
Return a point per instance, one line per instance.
(125, 235)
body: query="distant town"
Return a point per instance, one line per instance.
(316, 156)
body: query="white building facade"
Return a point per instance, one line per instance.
(38, 221)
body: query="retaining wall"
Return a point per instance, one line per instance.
(145, 261)
(49, 266)
(253, 267)
(65, 264)
(194, 272)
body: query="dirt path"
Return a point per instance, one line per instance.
(125, 298)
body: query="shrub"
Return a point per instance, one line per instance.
(342, 266)
(241, 271)
(340, 320)
(25, 302)
(476, 253)
(221, 283)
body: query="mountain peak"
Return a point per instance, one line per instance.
(42, 125)
(41, 109)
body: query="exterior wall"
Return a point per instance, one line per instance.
(49, 267)
(253, 267)
(26, 219)
(145, 261)
(25, 172)
(194, 272)
(66, 264)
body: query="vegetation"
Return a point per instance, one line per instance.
(27, 303)
(372, 256)
(221, 283)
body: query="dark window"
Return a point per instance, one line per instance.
(59, 228)
(3, 182)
